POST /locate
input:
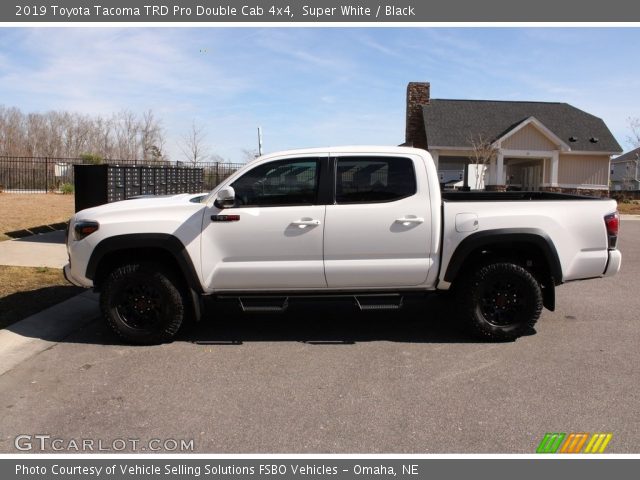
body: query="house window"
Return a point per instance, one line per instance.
(279, 183)
(374, 179)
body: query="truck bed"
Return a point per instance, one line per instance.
(573, 224)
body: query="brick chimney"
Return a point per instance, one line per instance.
(417, 96)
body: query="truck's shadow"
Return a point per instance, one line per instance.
(321, 323)
(313, 323)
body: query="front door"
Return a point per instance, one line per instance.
(272, 237)
(378, 231)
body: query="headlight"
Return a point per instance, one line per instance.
(84, 228)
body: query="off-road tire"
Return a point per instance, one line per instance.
(499, 302)
(143, 303)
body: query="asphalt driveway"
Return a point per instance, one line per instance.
(327, 379)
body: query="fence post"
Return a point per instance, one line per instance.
(46, 175)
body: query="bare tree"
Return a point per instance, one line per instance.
(483, 152)
(124, 135)
(249, 155)
(193, 145)
(634, 126)
(151, 133)
(13, 133)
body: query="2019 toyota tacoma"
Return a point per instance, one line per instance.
(366, 222)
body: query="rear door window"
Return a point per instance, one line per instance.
(374, 179)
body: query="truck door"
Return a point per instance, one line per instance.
(272, 237)
(378, 232)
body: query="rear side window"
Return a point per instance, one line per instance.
(374, 179)
(279, 183)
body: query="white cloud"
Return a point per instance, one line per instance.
(109, 69)
(301, 49)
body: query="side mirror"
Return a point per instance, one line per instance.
(225, 198)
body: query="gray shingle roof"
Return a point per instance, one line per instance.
(631, 155)
(451, 123)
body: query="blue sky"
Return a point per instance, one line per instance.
(312, 86)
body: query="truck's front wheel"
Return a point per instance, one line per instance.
(500, 301)
(143, 303)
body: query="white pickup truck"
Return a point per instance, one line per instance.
(369, 223)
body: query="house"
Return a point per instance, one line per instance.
(625, 171)
(534, 145)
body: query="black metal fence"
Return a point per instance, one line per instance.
(48, 174)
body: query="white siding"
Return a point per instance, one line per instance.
(583, 169)
(528, 138)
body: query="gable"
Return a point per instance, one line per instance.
(528, 138)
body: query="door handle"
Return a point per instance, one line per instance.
(303, 223)
(408, 220)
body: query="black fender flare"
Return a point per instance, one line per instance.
(163, 241)
(503, 237)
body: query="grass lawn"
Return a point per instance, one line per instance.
(27, 290)
(25, 211)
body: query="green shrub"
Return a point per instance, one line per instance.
(67, 188)
(91, 159)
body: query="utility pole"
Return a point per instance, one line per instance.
(259, 141)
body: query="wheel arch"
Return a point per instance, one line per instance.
(530, 247)
(157, 247)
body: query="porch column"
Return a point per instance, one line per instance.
(555, 159)
(500, 169)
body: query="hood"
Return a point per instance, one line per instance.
(146, 203)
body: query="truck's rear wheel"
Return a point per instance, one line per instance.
(143, 303)
(499, 301)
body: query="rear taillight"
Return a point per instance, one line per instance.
(612, 222)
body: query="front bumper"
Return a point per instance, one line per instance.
(614, 263)
(69, 277)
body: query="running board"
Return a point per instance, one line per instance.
(378, 302)
(263, 304)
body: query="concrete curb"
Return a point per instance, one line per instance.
(37, 333)
(628, 216)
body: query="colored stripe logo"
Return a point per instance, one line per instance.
(574, 443)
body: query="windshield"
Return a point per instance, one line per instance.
(199, 198)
